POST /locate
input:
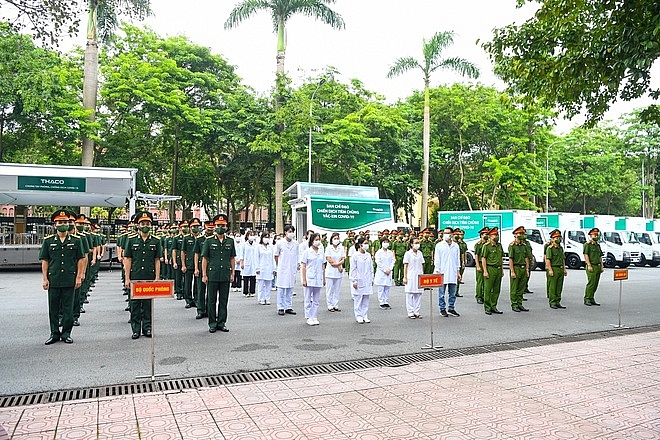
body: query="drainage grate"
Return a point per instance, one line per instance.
(308, 370)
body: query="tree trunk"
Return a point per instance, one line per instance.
(460, 167)
(427, 154)
(279, 166)
(175, 171)
(2, 132)
(90, 83)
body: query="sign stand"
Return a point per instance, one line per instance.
(620, 275)
(150, 290)
(428, 281)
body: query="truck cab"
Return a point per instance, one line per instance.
(620, 241)
(650, 244)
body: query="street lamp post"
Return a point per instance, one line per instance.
(311, 124)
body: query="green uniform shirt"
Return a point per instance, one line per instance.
(143, 255)
(199, 244)
(555, 255)
(427, 248)
(493, 254)
(594, 252)
(62, 256)
(219, 256)
(518, 253)
(177, 244)
(188, 246)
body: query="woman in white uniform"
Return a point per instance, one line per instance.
(312, 263)
(238, 245)
(334, 272)
(383, 277)
(413, 265)
(264, 268)
(361, 275)
(248, 264)
(286, 259)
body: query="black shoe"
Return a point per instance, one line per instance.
(82, 310)
(86, 301)
(515, 309)
(135, 336)
(147, 333)
(76, 323)
(52, 340)
(458, 295)
(497, 312)
(199, 316)
(443, 312)
(587, 303)
(528, 291)
(290, 312)
(212, 330)
(524, 299)
(522, 309)
(127, 309)
(480, 301)
(594, 303)
(453, 312)
(224, 329)
(179, 298)
(552, 306)
(559, 306)
(488, 312)
(187, 306)
(68, 340)
(280, 312)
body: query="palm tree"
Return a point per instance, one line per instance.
(102, 16)
(432, 62)
(281, 11)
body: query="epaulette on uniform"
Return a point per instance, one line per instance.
(49, 236)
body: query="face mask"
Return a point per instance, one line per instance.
(266, 240)
(521, 236)
(87, 228)
(317, 243)
(496, 239)
(291, 235)
(251, 238)
(335, 241)
(72, 227)
(365, 247)
(62, 228)
(195, 230)
(80, 228)
(173, 231)
(447, 237)
(558, 240)
(220, 231)
(415, 246)
(185, 230)
(594, 237)
(385, 245)
(145, 229)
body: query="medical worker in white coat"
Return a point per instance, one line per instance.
(383, 276)
(413, 265)
(312, 265)
(448, 264)
(286, 257)
(264, 268)
(248, 264)
(334, 272)
(361, 276)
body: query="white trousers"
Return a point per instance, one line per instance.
(332, 286)
(263, 290)
(361, 306)
(413, 303)
(312, 295)
(383, 294)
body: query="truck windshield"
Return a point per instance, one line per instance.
(612, 237)
(644, 238)
(630, 237)
(577, 236)
(535, 236)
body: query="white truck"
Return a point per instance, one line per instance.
(620, 246)
(644, 230)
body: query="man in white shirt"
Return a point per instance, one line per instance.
(447, 263)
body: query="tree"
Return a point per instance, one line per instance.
(581, 54)
(47, 19)
(432, 51)
(281, 11)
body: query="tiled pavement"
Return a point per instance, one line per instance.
(598, 389)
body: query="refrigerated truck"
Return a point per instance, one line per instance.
(620, 246)
(644, 233)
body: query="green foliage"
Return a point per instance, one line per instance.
(47, 19)
(581, 54)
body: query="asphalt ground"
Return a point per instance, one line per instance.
(103, 352)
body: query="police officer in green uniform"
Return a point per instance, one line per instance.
(426, 247)
(348, 243)
(491, 263)
(555, 267)
(200, 286)
(518, 270)
(62, 268)
(399, 247)
(218, 262)
(479, 272)
(462, 249)
(142, 262)
(188, 259)
(593, 256)
(529, 256)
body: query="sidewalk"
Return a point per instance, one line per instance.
(598, 389)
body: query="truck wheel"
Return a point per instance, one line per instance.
(532, 264)
(573, 261)
(610, 262)
(641, 262)
(469, 260)
(654, 263)
(624, 265)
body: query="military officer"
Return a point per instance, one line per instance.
(518, 269)
(142, 262)
(555, 267)
(188, 259)
(399, 247)
(462, 247)
(78, 301)
(479, 272)
(218, 262)
(177, 245)
(200, 289)
(427, 247)
(62, 267)
(491, 263)
(593, 256)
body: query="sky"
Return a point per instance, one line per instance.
(377, 33)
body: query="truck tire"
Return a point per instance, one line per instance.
(610, 262)
(532, 264)
(624, 265)
(654, 264)
(573, 261)
(642, 261)
(469, 260)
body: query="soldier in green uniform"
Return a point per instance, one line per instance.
(399, 247)
(62, 267)
(479, 272)
(218, 262)
(142, 262)
(167, 250)
(426, 247)
(78, 301)
(593, 256)
(491, 263)
(518, 269)
(177, 245)
(462, 249)
(348, 243)
(531, 268)
(200, 290)
(555, 267)
(188, 259)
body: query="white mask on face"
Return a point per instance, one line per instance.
(385, 245)
(291, 235)
(335, 241)
(415, 246)
(316, 243)
(266, 240)
(447, 237)
(251, 238)
(365, 247)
